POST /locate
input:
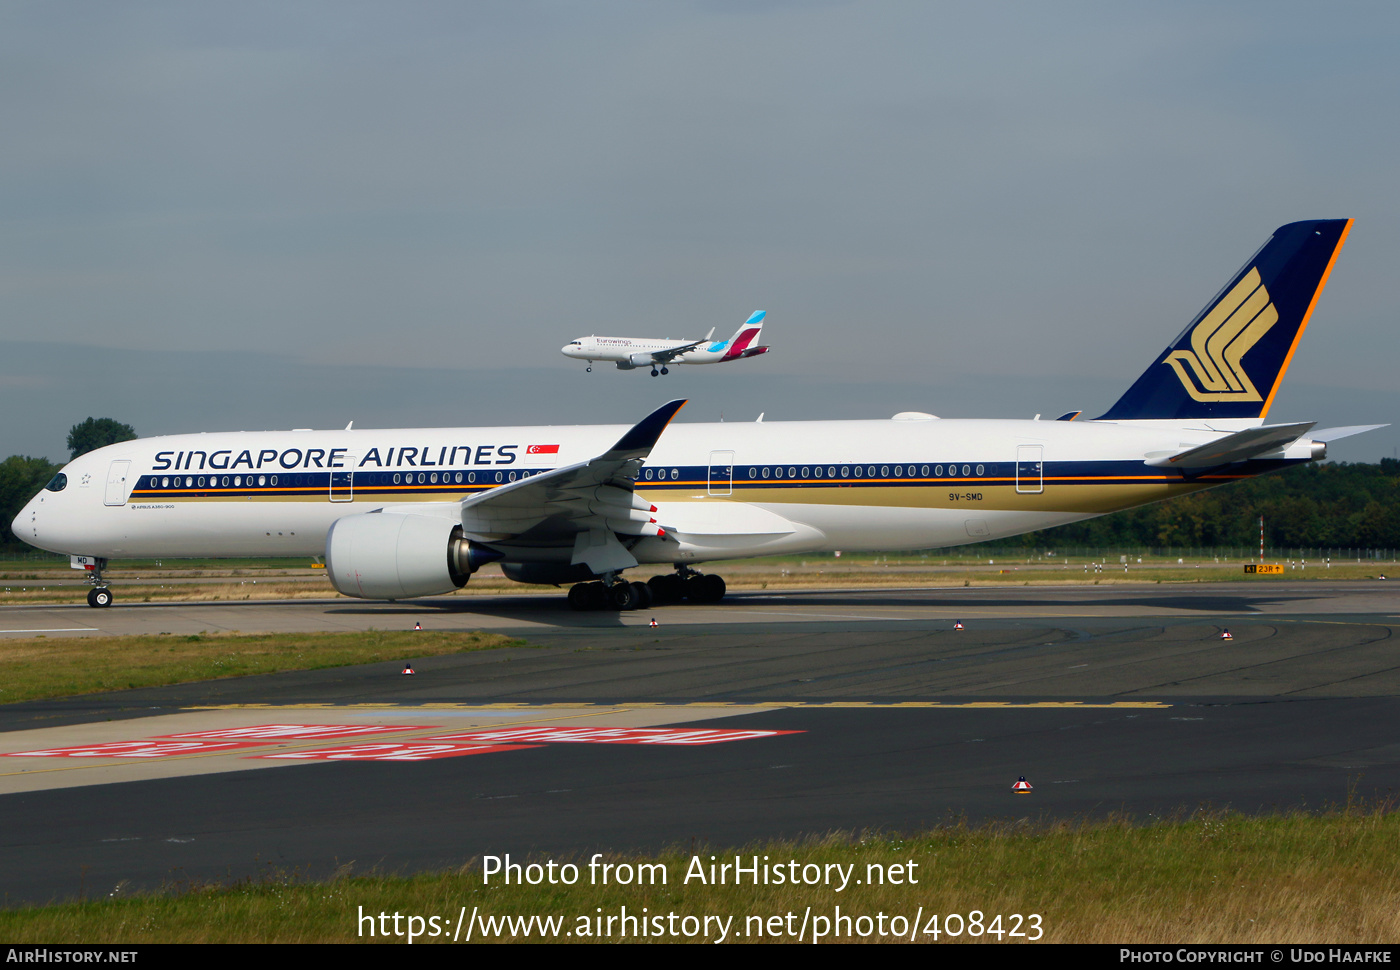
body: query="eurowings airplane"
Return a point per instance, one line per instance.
(630, 353)
(415, 512)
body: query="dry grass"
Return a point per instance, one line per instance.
(150, 585)
(1325, 878)
(39, 667)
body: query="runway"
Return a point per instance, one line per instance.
(1105, 698)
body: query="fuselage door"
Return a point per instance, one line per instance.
(1030, 474)
(721, 473)
(117, 486)
(343, 481)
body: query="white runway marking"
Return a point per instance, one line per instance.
(58, 629)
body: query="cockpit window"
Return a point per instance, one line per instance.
(58, 483)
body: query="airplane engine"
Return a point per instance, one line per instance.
(389, 555)
(640, 360)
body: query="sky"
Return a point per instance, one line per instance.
(216, 217)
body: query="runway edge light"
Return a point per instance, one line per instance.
(1225, 635)
(957, 624)
(1022, 787)
(408, 668)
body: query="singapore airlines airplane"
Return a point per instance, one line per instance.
(415, 512)
(630, 353)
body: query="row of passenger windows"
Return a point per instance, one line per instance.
(869, 471)
(757, 473)
(362, 479)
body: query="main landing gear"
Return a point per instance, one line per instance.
(100, 595)
(615, 594)
(663, 370)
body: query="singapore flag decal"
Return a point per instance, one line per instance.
(542, 450)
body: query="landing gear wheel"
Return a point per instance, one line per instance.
(578, 597)
(644, 597)
(665, 371)
(99, 596)
(589, 369)
(704, 589)
(654, 372)
(666, 589)
(621, 596)
(588, 596)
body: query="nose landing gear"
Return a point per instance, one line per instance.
(100, 595)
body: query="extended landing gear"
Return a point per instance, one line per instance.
(100, 595)
(663, 370)
(617, 596)
(684, 584)
(589, 369)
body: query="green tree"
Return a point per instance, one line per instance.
(97, 433)
(21, 478)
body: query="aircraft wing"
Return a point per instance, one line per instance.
(1240, 446)
(666, 356)
(585, 505)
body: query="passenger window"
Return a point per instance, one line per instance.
(831, 472)
(765, 471)
(805, 472)
(937, 471)
(396, 478)
(979, 469)
(884, 471)
(753, 473)
(858, 471)
(675, 473)
(274, 480)
(923, 470)
(966, 470)
(471, 477)
(844, 469)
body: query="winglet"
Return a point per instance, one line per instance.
(638, 442)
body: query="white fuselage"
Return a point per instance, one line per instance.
(721, 490)
(638, 351)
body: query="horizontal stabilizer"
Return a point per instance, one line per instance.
(1240, 446)
(1333, 434)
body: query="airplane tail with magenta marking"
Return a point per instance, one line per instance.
(744, 343)
(1228, 362)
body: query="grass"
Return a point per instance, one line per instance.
(1212, 878)
(39, 667)
(234, 580)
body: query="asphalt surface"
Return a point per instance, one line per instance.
(1107, 699)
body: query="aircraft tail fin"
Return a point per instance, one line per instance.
(1228, 362)
(744, 343)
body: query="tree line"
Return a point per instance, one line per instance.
(1338, 504)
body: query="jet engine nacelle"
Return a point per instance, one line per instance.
(641, 360)
(389, 555)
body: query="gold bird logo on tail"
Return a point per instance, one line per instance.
(1221, 340)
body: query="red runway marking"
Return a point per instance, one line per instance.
(136, 749)
(591, 735)
(300, 732)
(395, 751)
